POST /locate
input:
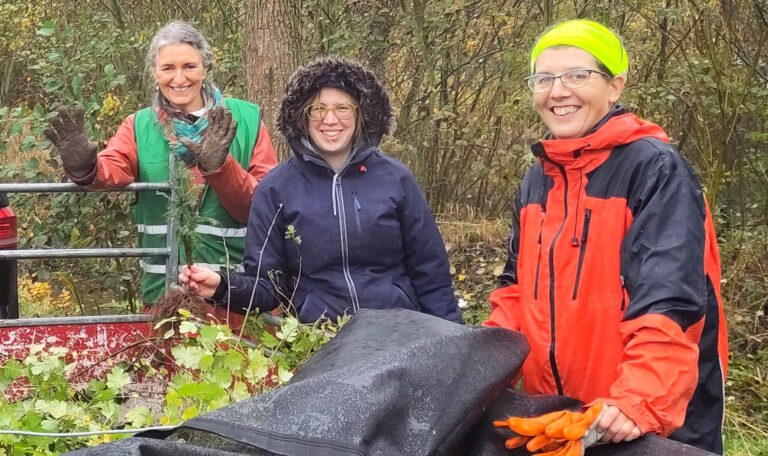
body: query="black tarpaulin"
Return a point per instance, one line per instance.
(392, 382)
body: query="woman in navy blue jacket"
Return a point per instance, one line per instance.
(367, 236)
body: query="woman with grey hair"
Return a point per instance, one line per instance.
(222, 141)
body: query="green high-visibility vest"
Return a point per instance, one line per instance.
(221, 244)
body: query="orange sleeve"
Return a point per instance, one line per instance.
(504, 308)
(658, 372)
(234, 185)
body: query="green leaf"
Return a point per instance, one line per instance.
(206, 361)
(209, 334)
(117, 379)
(222, 377)
(74, 235)
(52, 85)
(204, 391)
(259, 366)
(190, 413)
(28, 143)
(139, 417)
(57, 409)
(77, 86)
(31, 164)
(240, 392)
(289, 330)
(188, 327)
(54, 57)
(109, 409)
(188, 357)
(46, 29)
(284, 375)
(233, 361)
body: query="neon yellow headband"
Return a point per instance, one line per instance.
(590, 36)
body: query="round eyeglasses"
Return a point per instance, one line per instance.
(343, 111)
(572, 79)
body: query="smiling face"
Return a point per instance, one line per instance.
(179, 73)
(571, 113)
(332, 137)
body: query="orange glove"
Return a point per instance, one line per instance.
(571, 448)
(529, 426)
(554, 434)
(573, 425)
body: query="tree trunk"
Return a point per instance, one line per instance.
(272, 53)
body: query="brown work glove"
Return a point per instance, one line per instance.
(67, 133)
(213, 151)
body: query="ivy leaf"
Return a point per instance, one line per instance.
(139, 416)
(188, 357)
(117, 379)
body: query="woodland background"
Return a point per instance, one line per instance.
(454, 69)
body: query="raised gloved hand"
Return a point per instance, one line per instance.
(67, 133)
(213, 151)
(561, 433)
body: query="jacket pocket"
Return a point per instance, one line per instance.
(321, 304)
(582, 249)
(404, 301)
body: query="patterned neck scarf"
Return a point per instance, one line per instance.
(176, 124)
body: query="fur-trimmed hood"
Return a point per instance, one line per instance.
(353, 78)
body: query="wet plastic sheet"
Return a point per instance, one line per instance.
(392, 382)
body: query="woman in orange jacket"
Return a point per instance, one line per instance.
(613, 271)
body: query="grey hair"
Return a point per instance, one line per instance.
(179, 32)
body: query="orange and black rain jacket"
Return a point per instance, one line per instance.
(613, 274)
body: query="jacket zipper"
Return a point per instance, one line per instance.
(358, 208)
(623, 293)
(584, 235)
(538, 261)
(339, 203)
(552, 360)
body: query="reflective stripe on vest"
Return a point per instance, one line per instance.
(202, 229)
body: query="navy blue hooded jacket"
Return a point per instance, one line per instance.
(368, 238)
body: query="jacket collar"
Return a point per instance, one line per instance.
(617, 128)
(305, 152)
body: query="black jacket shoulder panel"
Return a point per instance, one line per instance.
(535, 187)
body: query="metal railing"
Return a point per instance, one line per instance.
(170, 252)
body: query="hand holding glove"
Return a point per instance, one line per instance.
(213, 151)
(561, 433)
(67, 133)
